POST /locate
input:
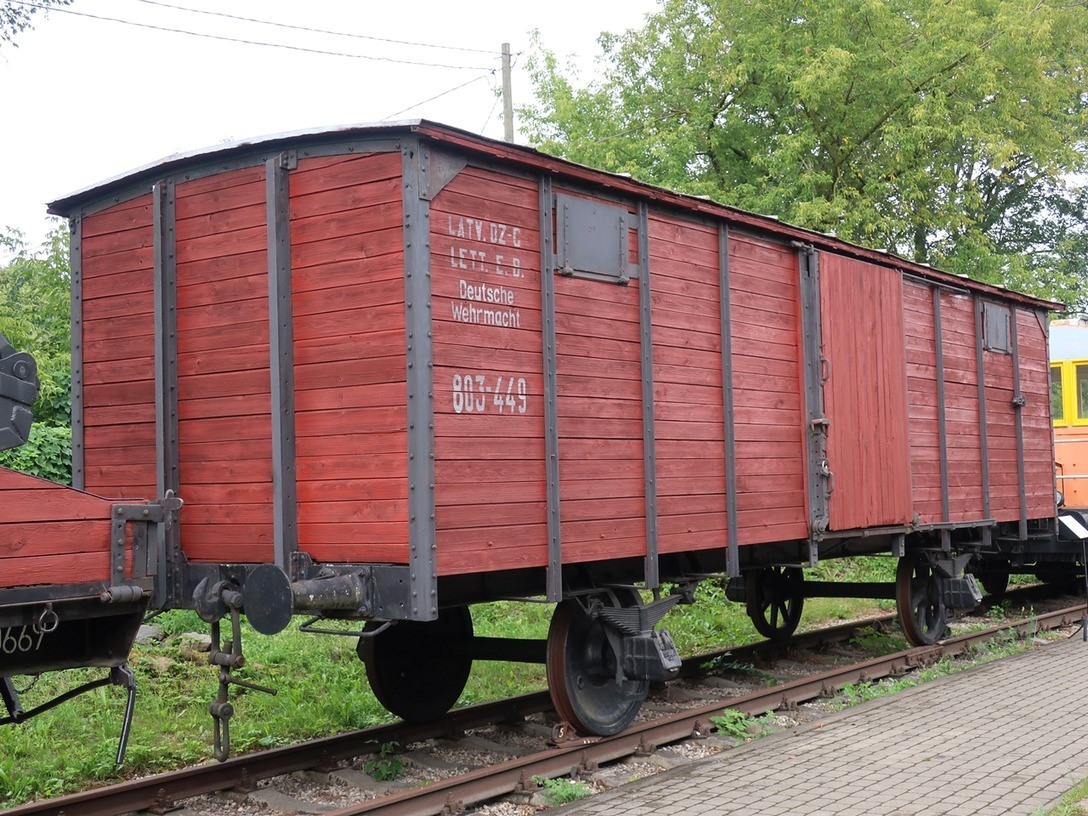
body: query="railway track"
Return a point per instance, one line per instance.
(519, 742)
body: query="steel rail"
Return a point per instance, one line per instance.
(453, 795)
(161, 791)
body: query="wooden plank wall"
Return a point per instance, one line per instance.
(689, 422)
(1035, 386)
(118, 374)
(224, 424)
(599, 380)
(920, 338)
(347, 261)
(491, 486)
(51, 534)
(772, 503)
(1001, 435)
(962, 427)
(865, 396)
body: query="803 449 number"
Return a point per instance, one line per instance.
(479, 394)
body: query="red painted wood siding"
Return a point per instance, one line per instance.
(772, 502)
(351, 422)
(1033, 356)
(964, 441)
(224, 419)
(51, 534)
(689, 420)
(865, 396)
(117, 249)
(491, 488)
(1001, 435)
(921, 351)
(599, 383)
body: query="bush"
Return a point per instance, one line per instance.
(47, 454)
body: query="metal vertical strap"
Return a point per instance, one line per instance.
(980, 363)
(732, 526)
(169, 573)
(818, 471)
(422, 536)
(1018, 403)
(554, 575)
(942, 427)
(652, 570)
(75, 256)
(281, 358)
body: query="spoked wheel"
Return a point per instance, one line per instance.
(776, 599)
(918, 600)
(418, 669)
(583, 670)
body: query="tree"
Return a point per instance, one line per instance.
(16, 17)
(944, 131)
(35, 316)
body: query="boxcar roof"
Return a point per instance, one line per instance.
(528, 158)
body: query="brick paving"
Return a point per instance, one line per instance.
(1007, 738)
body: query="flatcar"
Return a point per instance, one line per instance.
(382, 373)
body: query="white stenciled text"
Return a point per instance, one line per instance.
(483, 393)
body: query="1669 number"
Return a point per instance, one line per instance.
(17, 639)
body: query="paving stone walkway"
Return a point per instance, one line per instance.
(1008, 738)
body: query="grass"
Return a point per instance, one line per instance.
(1074, 803)
(321, 688)
(562, 791)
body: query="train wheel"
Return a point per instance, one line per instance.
(418, 669)
(776, 599)
(918, 600)
(586, 686)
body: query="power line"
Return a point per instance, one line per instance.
(436, 96)
(242, 41)
(321, 30)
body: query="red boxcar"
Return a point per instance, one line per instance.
(395, 370)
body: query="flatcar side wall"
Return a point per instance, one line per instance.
(490, 481)
(115, 351)
(224, 408)
(347, 259)
(51, 534)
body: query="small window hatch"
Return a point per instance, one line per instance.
(593, 239)
(995, 328)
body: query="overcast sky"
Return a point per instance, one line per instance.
(88, 95)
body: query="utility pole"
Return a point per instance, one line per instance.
(507, 98)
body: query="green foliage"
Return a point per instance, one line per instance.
(46, 454)
(947, 132)
(35, 316)
(562, 791)
(733, 723)
(386, 766)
